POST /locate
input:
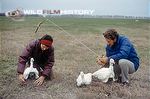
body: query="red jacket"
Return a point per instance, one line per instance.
(43, 59)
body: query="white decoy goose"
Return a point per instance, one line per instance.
(104, 73)
(30, 69)
(84, 79)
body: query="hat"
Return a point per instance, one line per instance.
(46, 40)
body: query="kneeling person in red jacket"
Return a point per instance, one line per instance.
(42, 52)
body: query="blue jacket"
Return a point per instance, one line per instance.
(123, 49)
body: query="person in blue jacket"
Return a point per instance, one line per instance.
(123, 52)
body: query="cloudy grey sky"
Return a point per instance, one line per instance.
(101, 7)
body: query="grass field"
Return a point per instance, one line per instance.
(71, 57)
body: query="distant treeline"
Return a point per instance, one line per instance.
(92, 16)
(2, 14)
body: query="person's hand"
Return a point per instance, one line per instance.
(98, 61)
(102, 60)
(21, 79)
(39, 81)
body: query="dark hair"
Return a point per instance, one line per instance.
(111, 34)
(47, 37)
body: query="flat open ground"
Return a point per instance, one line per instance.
(71, 57)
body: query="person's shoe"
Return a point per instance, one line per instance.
(126, 84)
(119, 79)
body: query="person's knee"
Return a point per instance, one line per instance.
(51, 75)
(122, 62)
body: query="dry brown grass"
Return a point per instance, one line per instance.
(71, 57)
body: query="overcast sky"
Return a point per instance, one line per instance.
(101, 7)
